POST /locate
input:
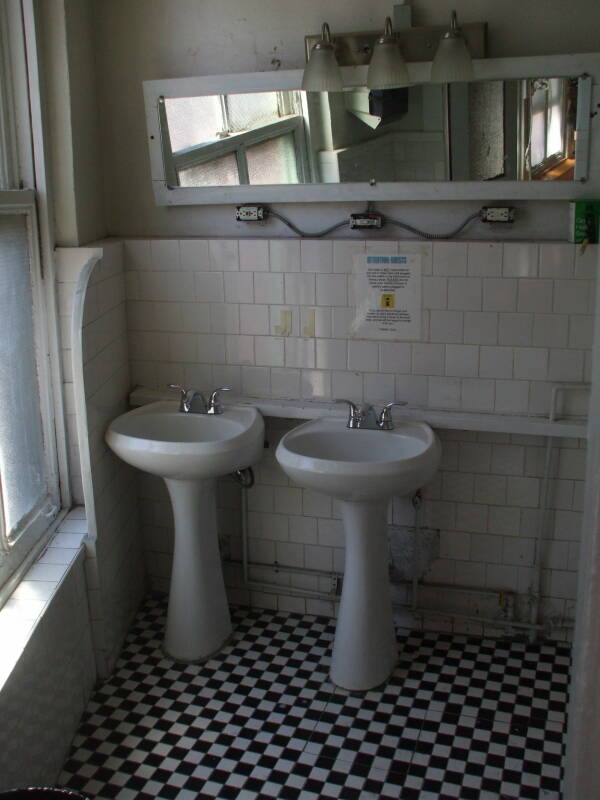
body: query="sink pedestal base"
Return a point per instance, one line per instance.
(198, 621)
(365, 649)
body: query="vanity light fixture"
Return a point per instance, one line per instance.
(322, 72)
(452, 62)
(387, 68)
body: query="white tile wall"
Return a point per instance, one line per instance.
(501, 321)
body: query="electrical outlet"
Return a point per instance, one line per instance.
(249, 213)
(497, 214)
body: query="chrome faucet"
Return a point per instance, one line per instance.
(187, 403)
(363, 416)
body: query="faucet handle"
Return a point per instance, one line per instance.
(384, 420)
(354, 412)
(183, 394)
(213, 406)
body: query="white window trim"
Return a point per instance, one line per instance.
(37, 527)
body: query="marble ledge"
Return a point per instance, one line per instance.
(446, 420)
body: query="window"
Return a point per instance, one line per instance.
(28, 472)
(235, 139)
(545, 124)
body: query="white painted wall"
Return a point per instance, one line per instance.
(137, 40)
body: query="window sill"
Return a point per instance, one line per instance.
(22, 611)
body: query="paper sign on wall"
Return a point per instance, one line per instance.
(387, 289)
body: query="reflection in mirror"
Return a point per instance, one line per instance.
(486, 130)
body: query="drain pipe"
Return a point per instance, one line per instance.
(417, 502)
(535, 589)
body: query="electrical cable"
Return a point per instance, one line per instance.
(302, 233)
(425, 235)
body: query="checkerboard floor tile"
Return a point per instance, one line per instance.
(460, 719)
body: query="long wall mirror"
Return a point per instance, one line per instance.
(232, 138)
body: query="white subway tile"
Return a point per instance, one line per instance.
(445, 326)
(285, 383)
(535, 295)
(412, 389)
(331, 290)
(254, 254)
(520, 260)
(531, 363)
(239, 349)
(330, 532)
(164, 254)
(284, 255)
(299, 352)
(508, 459)
(522, 491)
(182, 347)
(331, 353)
(515, 329)
(211, 348)
(226, 375)
(477, 394)
(449, 258)
(223, 254)
(300, 289)
(435, 292)
(381, 247)
(550, 330)
(342, 320)
(316, 255)
(239, 288)
(315, 384)
(165, 286)
(496, 362)
(565, 365)
(501, 577)
(276, 320)
(254, 319)
(571, 297)
(484, 259)
(303, 529)
(225, 318)
(581, 331)
(193, 254)
(556, 260)
(322, 322)
(504, 520)
(462, 360)
(363, 356)
(315, 504)
(195, 317)
(444, 393)
(269, 351)
(347, 385)
(256, 381)
(486, 548)
(137, 254)
(481, 327)
(586, 263)
(512, 397)
(428, 359)
(268, 288)
(148, 346)
(455, 544)
(539, 397)
(344, 253)
(471, 517)
(209, 287)
(464, 294)
(379, 388)
(500, 294)
(394, 357)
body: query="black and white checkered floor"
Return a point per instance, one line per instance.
(460, 718)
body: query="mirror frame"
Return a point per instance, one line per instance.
(587, 167)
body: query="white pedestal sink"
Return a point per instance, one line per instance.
(190, 451)
(363, 469)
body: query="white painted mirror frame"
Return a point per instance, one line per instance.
(586, 65)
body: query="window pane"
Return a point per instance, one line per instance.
(555, 117)
(22, 461)
(247, 111)
(273, 161)
(219, 172)
(193, 120)
(538, 125)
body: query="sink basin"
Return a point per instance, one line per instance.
(190, 451)
(363, 469)
(160, 439)
(355, 465)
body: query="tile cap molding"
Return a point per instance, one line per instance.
(450, 420)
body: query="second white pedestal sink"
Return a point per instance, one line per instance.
(363, 469)
(190, 451)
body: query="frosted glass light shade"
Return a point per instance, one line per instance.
(452, 62)
(322, 72)
(387, 69)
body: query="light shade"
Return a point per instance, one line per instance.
(387, 69)
(452, 62)
(322, 73)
